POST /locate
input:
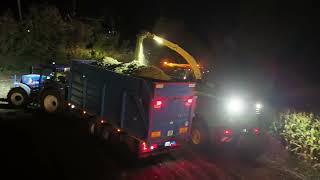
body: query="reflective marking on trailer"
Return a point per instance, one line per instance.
(183, 130)
(170, 133)
(192, 85)
(155, 134)
(159, 86)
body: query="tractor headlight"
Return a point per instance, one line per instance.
(235, 106)
(259, 105)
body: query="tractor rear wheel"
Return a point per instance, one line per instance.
(199, 133)
(52, 101)
(17, 97)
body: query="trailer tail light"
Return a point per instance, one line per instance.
(227, 132)
(153, 147)
(256, 131)
(157, 104)
(189, 102)
(155, 134)
(144, 148)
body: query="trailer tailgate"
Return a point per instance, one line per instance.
(171, 112)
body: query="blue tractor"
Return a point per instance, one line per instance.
(27, 90)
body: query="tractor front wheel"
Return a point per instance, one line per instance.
(17, 97)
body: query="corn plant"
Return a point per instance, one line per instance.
(301, 132)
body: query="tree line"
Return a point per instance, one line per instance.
(46, 34)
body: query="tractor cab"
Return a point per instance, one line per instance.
(51, 71)
(228, 118)
(27, 89)
(32, 80)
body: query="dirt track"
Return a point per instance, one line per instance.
(49, 147)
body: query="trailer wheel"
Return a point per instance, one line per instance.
(92, 128)
(95, 129)
(17, 97)
(52, 101)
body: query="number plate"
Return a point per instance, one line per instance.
(166, 144)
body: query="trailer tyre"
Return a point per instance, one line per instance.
(17, 97)
(94, 129)
(52, 101)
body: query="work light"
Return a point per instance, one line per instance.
(235, 106)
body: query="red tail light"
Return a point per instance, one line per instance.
(157, 104)
(153, 147)
(227, 132)
(256, 131)
(144, 147)
(189, 102)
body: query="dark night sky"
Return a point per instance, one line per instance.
(279, 41)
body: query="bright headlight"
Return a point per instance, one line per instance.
(258, 106)
(235, 106)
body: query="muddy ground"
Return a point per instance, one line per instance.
(38, 146)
